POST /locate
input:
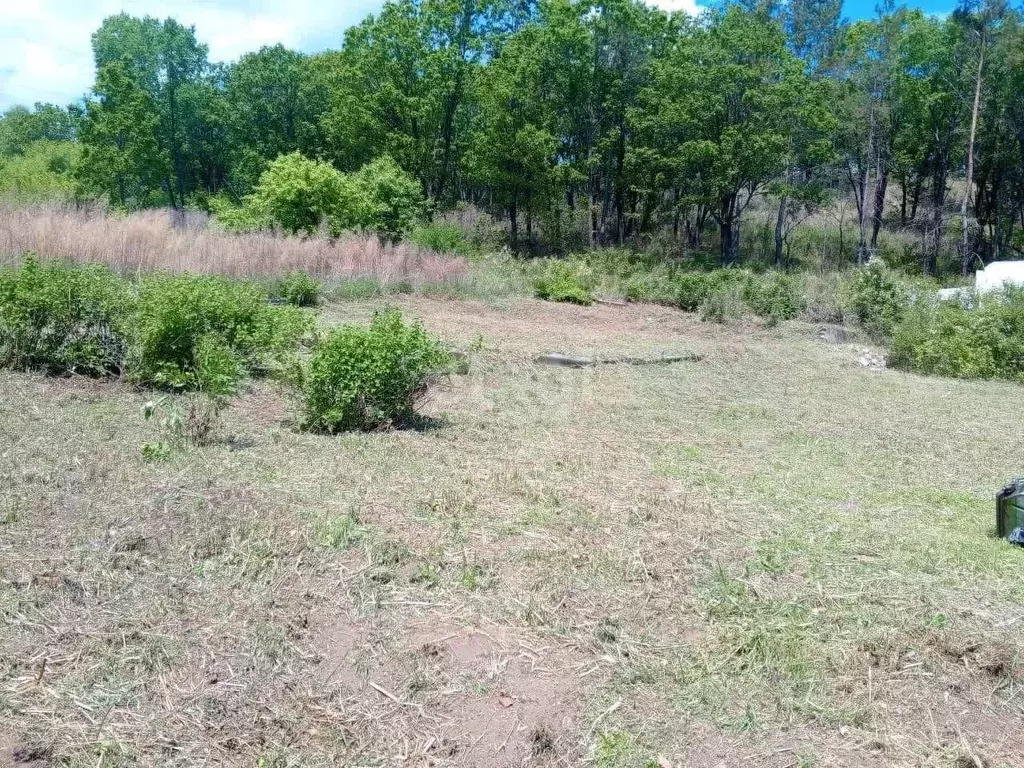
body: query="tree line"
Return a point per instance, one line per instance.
(585, 124)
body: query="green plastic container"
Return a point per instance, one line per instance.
(1010, 509)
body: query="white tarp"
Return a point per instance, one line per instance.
(992, 277)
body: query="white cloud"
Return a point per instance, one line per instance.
(689, 6)
(45, 52)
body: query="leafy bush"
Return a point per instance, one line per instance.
(774, 295)
(63, 318)
(298, 194)
(391, 199)
(365, 378)
(879, 299)
(560, 281)
(947, 338)
(205, 332)
(300, 290)
(42, 174)
(692, 289)
(724, 302)
(443, 238)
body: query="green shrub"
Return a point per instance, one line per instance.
(443, 238)
(949, 338)
(692, 289)
(724, 302)
(43, 173)
(205, 332)
(392, 199)
(300, 290)
(879, 299)
(298, 194)
(560, 281)
(364, 378)
(64, 318)
(774, 295)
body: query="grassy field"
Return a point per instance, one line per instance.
(772, 558)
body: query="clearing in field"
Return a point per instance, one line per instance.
(772, 557)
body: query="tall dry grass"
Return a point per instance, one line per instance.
(165, 240)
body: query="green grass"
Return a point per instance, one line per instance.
(769, 549)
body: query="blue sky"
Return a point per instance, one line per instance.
(44, 44)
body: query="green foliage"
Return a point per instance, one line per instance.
(20, 128)
(724, 302)
(265, 107)
(392, 199)
(298, 195)
(340, 532)
(561, 281)
(236, 218)
(949, 338)
(205, 332)
(299, 289)
(878, 298)
(774, 295)
(121, 154)
(693, 289)
(192, 422)
(443, 238)
(63, 318)
(42, 173)
(365, 378)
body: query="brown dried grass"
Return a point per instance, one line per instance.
(166, 240)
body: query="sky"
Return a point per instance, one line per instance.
(44, 44)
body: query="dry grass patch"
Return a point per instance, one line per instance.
(185, 242)
(770, 558)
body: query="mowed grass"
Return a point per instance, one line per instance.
(771, 557)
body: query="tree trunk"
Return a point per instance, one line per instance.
(529, 229)
(620, 194)
(876, 221)
(728, 247)
(728, 227)
(903, 201)
(965, 254)
(915, 197)
(513, 216)
(779, 239)
(593, 211)
(862, 243)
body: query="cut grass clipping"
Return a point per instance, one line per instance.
(367, 378)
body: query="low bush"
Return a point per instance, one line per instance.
(361, 378)
(561, 281)
(774, 295)
(64, 318)
(202, 332)
(949, 338)
(392, 199)
(724, 302)
(879, 298)
(300, 196)
(442, 237)
(694, 288)
(299, 289)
